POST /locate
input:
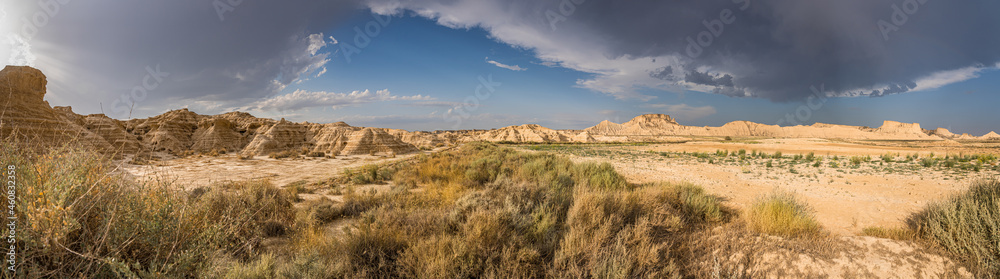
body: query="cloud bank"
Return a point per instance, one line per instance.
(773, 49)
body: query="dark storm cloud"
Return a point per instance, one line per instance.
(773, 49)
(778, 48)
(96, 52)
(664, 73)
(707, 79)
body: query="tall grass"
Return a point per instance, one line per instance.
(481, 211)
(967, 225)
(81, 217)
(487, 211)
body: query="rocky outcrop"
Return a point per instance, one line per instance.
(113, 132)
(375, 141)
(27, 117)
(524, 133)
(990, 136)
(942, 132)
(217, 134)
(280, 136)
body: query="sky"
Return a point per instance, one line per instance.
(482, 64)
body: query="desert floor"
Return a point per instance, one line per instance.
(845, 198)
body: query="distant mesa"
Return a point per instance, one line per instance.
(29, 117)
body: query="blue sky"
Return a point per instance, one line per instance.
(557, 65)
(413, 55)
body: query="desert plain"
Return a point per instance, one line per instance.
(852, 178)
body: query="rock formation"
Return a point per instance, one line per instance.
(26, 116)
(990, 136)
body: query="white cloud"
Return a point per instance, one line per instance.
(316, 43)
(20, 51)
(620, 77)
(305, 99)
(684, 111)
(939, 79)
(333, 40)
(505, 66)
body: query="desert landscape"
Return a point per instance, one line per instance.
(861, 186)
(500, 139)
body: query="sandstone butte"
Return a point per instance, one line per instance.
(26, 116)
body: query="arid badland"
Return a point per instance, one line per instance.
(863, 190)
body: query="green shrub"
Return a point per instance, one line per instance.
(781, 214)
(888, 157)
(928, 162)
(966, 225)
(857, 160)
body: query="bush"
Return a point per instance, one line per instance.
(928, 162)
(857, 160)
(600, 176)
(728, 138)
(283, 154)
(317, 154)
(888, 157)
(966, 225)
(368, 174)
(781, 214)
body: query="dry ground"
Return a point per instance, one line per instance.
(846, 199)
(199, 170)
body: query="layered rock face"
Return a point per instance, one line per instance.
(25, 116)
(375, 141)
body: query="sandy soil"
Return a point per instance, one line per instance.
(199, 171)
(845, 199)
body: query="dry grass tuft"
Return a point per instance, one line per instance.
(86, 219)
(781, 214)
(890, 233)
